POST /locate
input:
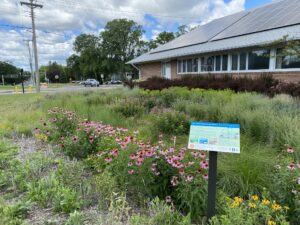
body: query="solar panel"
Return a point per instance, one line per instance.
(279, 14)
(203, 33)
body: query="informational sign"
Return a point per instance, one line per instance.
(217, 137)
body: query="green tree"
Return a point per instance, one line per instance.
(121, 42)
(85, 42)
(163, 38)
(73, 67)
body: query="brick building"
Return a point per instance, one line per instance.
(243, 44)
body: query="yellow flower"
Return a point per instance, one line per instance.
(265, 202)
(286, 207)
(252, 205)
(255, 197)
(234, 204)
(41, 137)
(239, 200)
(276, 207)
(270, 222)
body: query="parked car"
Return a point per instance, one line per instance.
(114, 82)
(91, 82)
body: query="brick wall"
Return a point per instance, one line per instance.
(154, 69)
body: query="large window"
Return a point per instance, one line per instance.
(243, 59)
(187, 66)
(287, 61)
(258, 60)
(207, 63)
(224, 62)
(218, 63)
(234, 61)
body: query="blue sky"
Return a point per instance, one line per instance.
(60, 21)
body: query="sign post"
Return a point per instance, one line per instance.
(214, 137)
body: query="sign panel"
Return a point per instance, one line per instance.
(217, 137)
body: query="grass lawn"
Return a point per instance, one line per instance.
(96, 188)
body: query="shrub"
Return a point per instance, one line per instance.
(75, 218)
(66, 200)
(129, 109)
(172, 123)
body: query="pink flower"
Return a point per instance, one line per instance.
(62, 137)
(294, 191)
(75, 139)
(138, 163)
(191, 163)
(204, 165)
(174, 181)
(205, 177)
(132, 156)
(202, 155)
(291, 167)
(299, 180)
(189, 178)
(130, 164)
(290, 150)
(131, 172)
(108, 159)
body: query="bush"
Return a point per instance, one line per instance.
(172, 123)
(264, 84)
(75, 218)
(129, 109)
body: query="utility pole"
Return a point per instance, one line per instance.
(32, 6)
(30, 60)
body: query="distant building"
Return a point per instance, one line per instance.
(238, 44)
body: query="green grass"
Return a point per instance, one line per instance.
(268, 126)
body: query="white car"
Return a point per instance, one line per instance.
(91, 82)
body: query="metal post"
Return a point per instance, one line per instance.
(3, 80)
(212, 184)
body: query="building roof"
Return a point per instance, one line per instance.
(257, 27)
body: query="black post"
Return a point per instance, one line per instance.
(22, 79)
(212, 184)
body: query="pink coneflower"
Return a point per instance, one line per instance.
(194, 154)
(191, 163)
(181, 172)
(299, 180)
(140, 158)
(108, 159)
(130, 172)
(291, 167)
(294, 191)
(118, 140)
(202, 155)
(75, 139)
(62, 137)
(205, 177)
(168, 199)
(174, 181)
(204, 164)
(130, 164)
(157, 156)
(138, 163)
(132, 156)
(189, 178)
(290, 150)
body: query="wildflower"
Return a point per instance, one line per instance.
(189, 178)
(276, 207)
(299, 180)
(168, 199)
(202, 155)
(108, 159)
(130, 172)
(286, 207)
(294, 191)
(205, 176)
(75, 139)
(174, 181)
(265, 202)
(252, 205)
(132, 156)
(291, 167)
(238, 200)
(271, 222)
(62, 137)
(254, 197)
(290, 150)
(130, 164)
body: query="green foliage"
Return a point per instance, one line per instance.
(173, 123)
(14, 214)
(66, 200)
(129, 109)
(75, 218)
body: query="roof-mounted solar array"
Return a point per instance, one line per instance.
(278, 14)
(203, 33)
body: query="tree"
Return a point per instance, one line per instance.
(53, 69)
(183, 29)
(163, 38)
(121, 42)
(73, 67)
(85, 42)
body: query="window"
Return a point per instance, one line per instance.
(218, 63)
(195, 65)
(243, 59)
(187, 66)
(234, 62)
(179, 66)
(259, 60)
(287, 61)
(164, 69)
(224, 62)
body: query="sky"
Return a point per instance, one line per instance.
(60, 21)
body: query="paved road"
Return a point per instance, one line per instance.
(63, 89)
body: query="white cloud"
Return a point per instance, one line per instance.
(65, 18)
